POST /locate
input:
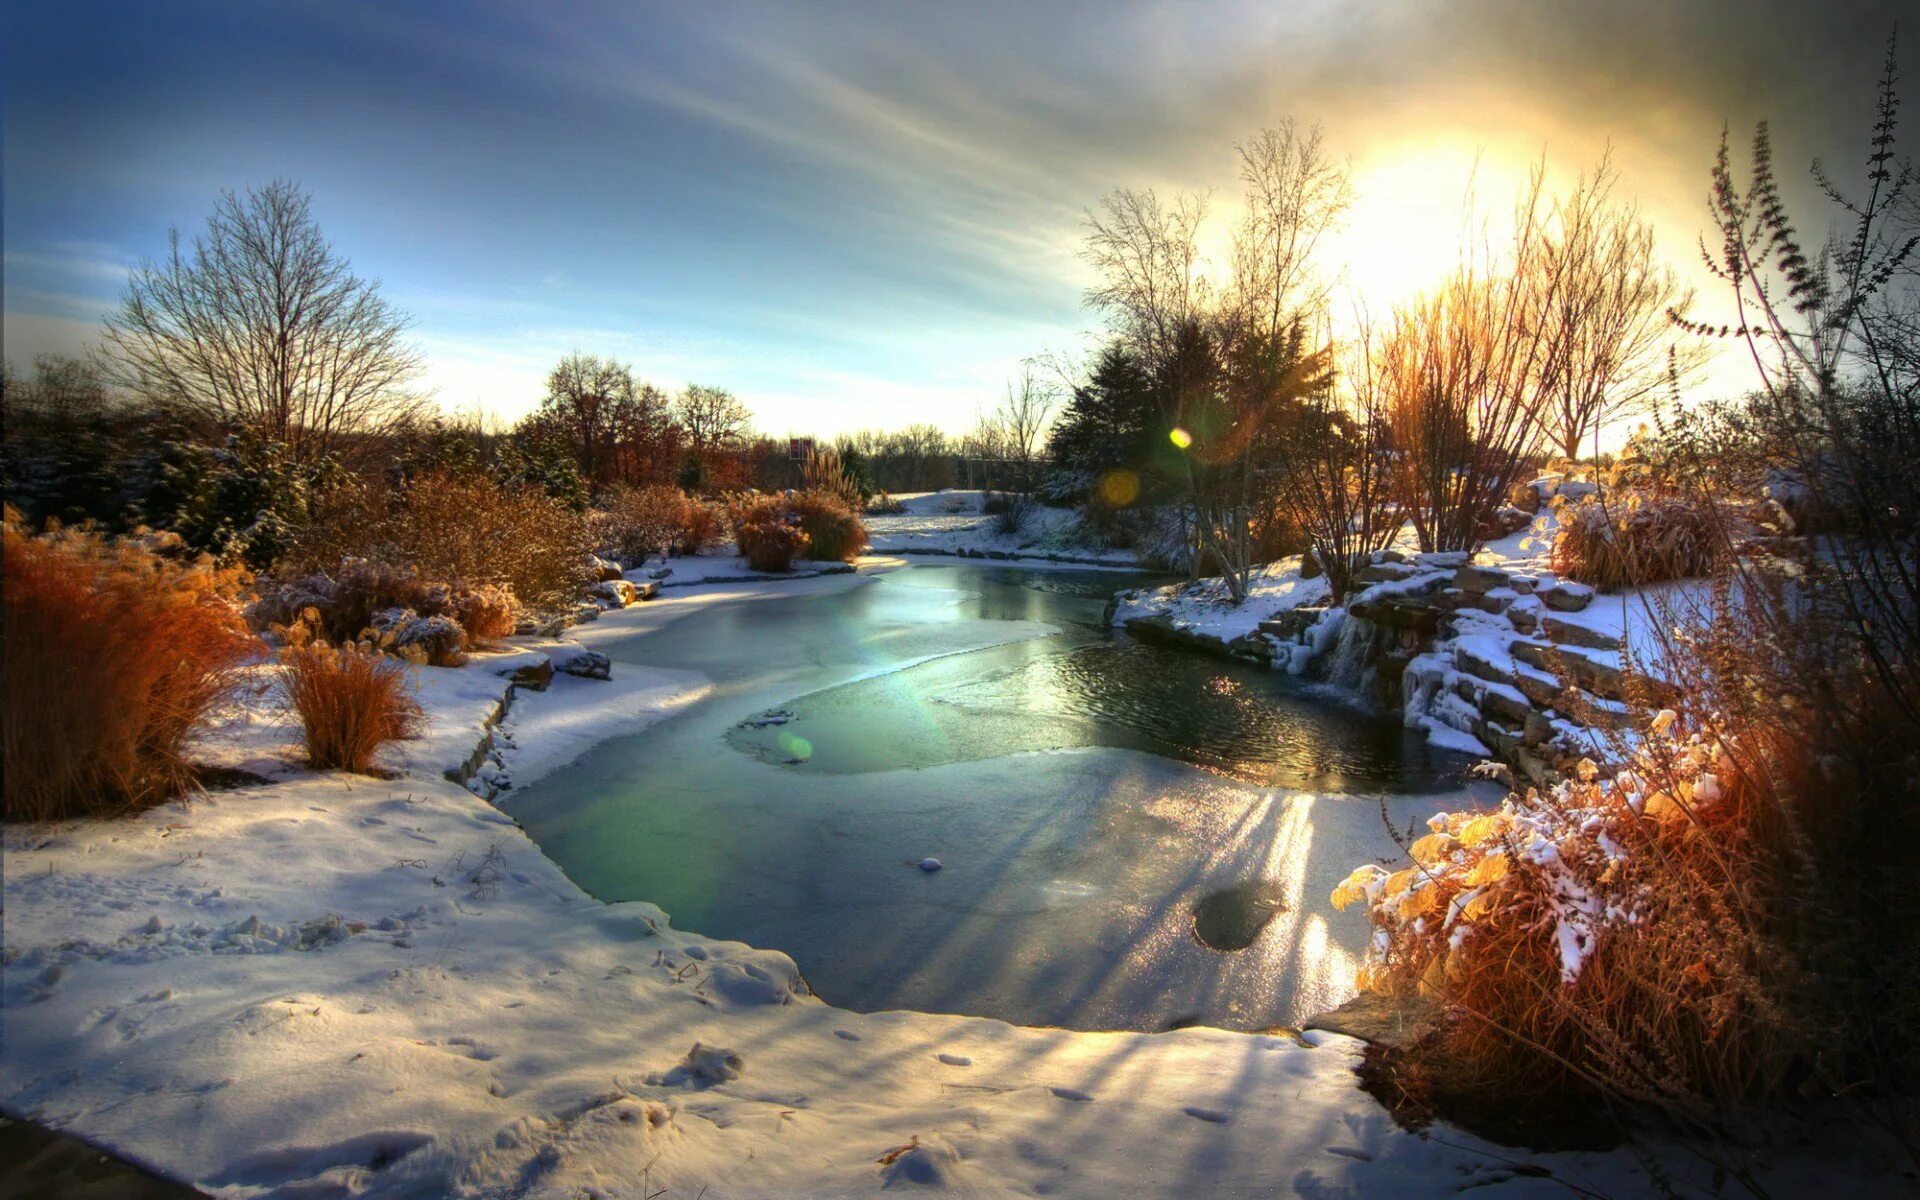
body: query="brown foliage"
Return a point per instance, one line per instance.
(112, 657)
(834, 530)
(456, 528)
(1634, 537)
(350, 703)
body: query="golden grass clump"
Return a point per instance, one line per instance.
(1612, 934)
(1635, 537)
(834, 530)
(113, 658)
(350, 701)
(771, 543)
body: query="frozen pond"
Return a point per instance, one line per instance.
(1131, 837)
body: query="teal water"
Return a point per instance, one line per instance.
(1131, 836)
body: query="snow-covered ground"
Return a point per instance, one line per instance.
(337, 985)
(951, 522)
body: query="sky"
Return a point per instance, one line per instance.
(851, 215)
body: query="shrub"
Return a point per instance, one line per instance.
(487, 613)
(366, 599)
(834, 532)
(112, 659)
(350, 702)
(1613, 932)
(703, 523)
(643, 522)
(1635, 537)
(884, 505)
(824, 470)
(458, 528)
(771, 544)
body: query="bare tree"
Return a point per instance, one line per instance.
(263, 324)
(713, 417)
(618, 429)
(1467, 371)
(1609, 313)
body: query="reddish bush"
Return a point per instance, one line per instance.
(834, 531)
(112, 659)
(771, 545)
(350, 703)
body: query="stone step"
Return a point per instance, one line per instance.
(1600, 678)
(1559, 629)
(1470, 663)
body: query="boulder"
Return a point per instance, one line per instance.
(533, 676)
(615, 593)
(1384, 572)
(1480, 580)
(580, 661)
(1561, 630)
(1568, 596)
(604, 571)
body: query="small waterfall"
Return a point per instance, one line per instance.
(1350, 665)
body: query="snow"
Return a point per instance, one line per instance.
(335, 985)
(951, 522)
(1205, 608)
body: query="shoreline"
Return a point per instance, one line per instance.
(197, 997)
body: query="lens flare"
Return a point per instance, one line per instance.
(1180, 438)
(1119, 488)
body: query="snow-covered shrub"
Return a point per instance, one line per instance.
(433, 641)
(110, 659)
(350, 603)
(1614, 931)
(1634, 537)
(884, 505)
(350, 702)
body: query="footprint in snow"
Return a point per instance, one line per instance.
(846, 1035)
(1074, 1094)
(1350, 1152)
(1206, 1114)
(955, 1060)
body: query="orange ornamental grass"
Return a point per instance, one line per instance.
(1636, 537)
(113, 659)
(350, 701)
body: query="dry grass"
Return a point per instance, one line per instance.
(1616, 933)
(350, 702)
(834, 530)
(1634, 538)
(113, 658)
(771, 544)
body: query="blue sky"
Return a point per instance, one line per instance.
(851, 215)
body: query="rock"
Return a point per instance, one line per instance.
(580, 661)
(1480, 580)
(604, 571)
(930, 865)
(646, 591)
(1395, 1021)
(1524, 584)
(1398, 613)
(1561, 630)
(1293, 624)
(615, 592)
(1510, 520)
(1309, 566)
(1525, 496)
(534, 676)
(1384, 572)
(1602, 679)
(1568, 596)
(705, 1065)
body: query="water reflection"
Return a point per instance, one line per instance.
(1087, 686)
(1057, 778)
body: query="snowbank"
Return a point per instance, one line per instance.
(952, 522)
(335, 985)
